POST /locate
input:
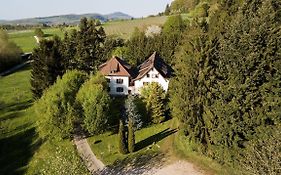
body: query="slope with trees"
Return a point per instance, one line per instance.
(226, 91)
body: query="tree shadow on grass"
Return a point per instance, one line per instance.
(16, 106)
(17, 150)
(137, 164)
(154, 138)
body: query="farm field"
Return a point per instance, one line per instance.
(25, 39)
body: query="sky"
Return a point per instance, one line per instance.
(18, 9)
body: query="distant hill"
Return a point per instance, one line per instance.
(67, 19)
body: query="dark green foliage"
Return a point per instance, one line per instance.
(131, 136)
(92, 104)
(10, 53)
(123, 144)
(140, 46)
(228, 77)
(153, 95)
(47, 65)
(134, 121)
(88, 45)
(263, 154)
(55, 110)
(137, 53)
(167, 10)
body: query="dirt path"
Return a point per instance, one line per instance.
(93, 164)
(177, 168)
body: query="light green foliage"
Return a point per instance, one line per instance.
(93, 104)
(154, 95)
(55, 110)
(10, 53)
(183, 6)
(57, 158)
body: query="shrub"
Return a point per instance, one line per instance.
(10, 53)
(154, 96)
(93, 104)
(55, 110)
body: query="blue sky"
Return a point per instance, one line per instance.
(17, 9)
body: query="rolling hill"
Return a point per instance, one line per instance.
(67, 19)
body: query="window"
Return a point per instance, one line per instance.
(145, 83)
(108, 89)
(147, 75)
(119, 89)
(119, 81)
(155, 76)
(108, 80)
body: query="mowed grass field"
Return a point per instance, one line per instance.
(18, 138)
(124, 29)
(25, 39)
(20, 146)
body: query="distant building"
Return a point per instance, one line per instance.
(123, 80)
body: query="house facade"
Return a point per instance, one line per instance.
(123, 80)
(118, 73)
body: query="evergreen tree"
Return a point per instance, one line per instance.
(84, 48)
(131, 136)
(167, 10)
(134, 121)
(123, 144)
(48, 64)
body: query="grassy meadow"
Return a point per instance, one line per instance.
(26, 41)
(20, 147)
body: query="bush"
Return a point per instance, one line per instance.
(10, 53)
(154, 97)
(92, 103)
(55, 110)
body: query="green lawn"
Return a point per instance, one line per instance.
(19, 142)
(124, 29)
(25, 39)
(148, 140)
(18, 138)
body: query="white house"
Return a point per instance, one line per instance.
(123, 80)
(154, 69)
(119, 76)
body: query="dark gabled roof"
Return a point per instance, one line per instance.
(154, 61)
(116, 66)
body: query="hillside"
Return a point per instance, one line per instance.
(67, 19)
